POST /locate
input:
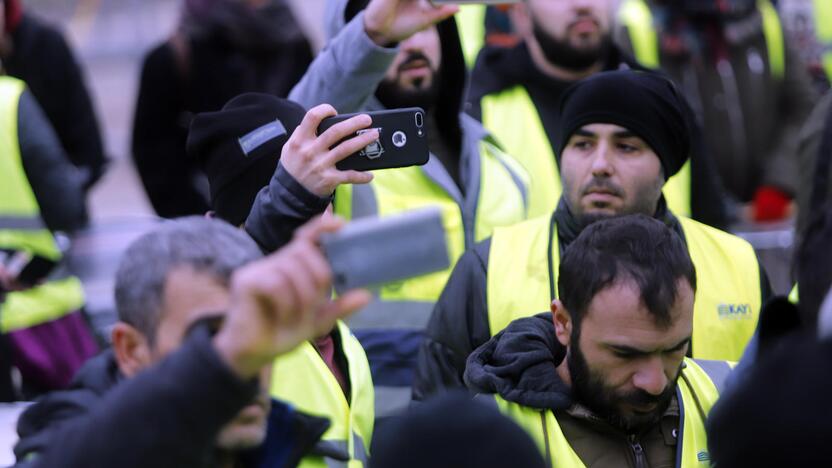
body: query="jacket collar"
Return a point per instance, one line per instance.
(520, 363)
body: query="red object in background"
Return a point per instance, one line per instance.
(14, 13)
(770, 204)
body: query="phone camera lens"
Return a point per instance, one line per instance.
(419, 120)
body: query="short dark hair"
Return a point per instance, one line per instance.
(633, 247)
(206, 245)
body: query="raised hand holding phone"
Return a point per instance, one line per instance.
(311, 158)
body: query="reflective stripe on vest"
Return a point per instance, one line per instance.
(697, 391)
(523, 281)
(21, 228)
(823, 33)
(303, 379)
(512, 118)
(470, 20)
(637, 17)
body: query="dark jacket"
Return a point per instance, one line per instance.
(56, 183)
(41, 57)
(459, 323)
(519, 364)
(167, 416)
(812, 161)
(750, 118)
(183, 77)
(498, 69)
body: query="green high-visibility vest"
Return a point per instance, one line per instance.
(523, 281)
(501, 186)
(823, 33)
(512, 118)
(470, 21)
(637, 17)
(698, 389)
(303, 379)
(23, 229)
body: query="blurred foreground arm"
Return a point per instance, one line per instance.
(170, 415)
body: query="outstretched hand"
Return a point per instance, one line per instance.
(391, 21)
(282, 300)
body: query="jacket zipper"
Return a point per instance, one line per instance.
(638, 452)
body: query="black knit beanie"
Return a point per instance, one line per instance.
(644, 103)
(238, 148)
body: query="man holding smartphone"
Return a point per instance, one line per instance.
(391, 54)
(515, 92)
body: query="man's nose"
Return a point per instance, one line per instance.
(415, 43)
(601, 160)
(650, 376)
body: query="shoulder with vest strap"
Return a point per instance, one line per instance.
(515, 122)
(728, 294)
(303, 379)
(823, 33)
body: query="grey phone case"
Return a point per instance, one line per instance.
(373, 251)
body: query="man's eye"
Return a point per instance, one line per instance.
(623, 355)
(582, 144)
(625, 148)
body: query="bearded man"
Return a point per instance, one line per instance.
(515, 92)
(603, 380)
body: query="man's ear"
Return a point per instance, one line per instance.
(131, 349)
(563, 322)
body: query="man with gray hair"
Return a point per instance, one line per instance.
(201, 318)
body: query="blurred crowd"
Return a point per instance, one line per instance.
(593, 162)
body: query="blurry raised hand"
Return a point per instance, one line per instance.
(281, 301)
(391, 21)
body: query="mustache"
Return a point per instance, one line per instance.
(411, 59)
(602, 185)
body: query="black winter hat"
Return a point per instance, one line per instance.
(239, 146)
(453, 431)
(644, 103)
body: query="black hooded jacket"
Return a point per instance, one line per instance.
(166, 416)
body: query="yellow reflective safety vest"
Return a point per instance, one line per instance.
(511, 116)
(823, 33)
(522, 280)
(501, 201)
(637, 17)
(303, 379)
(391, 327)
(698, 387)
(23, 229)
(470, 20)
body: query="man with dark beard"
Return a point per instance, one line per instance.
(622, 135)
(515, 93)
(387, 54)
(602, 380)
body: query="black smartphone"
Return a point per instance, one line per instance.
(370, 252)
(28, 269)
(402, 140)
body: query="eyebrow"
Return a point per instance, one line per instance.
(625, 134)
(624, 349)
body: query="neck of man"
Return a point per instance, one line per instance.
(563, 370)
(556, 71)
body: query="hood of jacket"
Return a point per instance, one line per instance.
(452, 77)
(519, 364)
(89, 385)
